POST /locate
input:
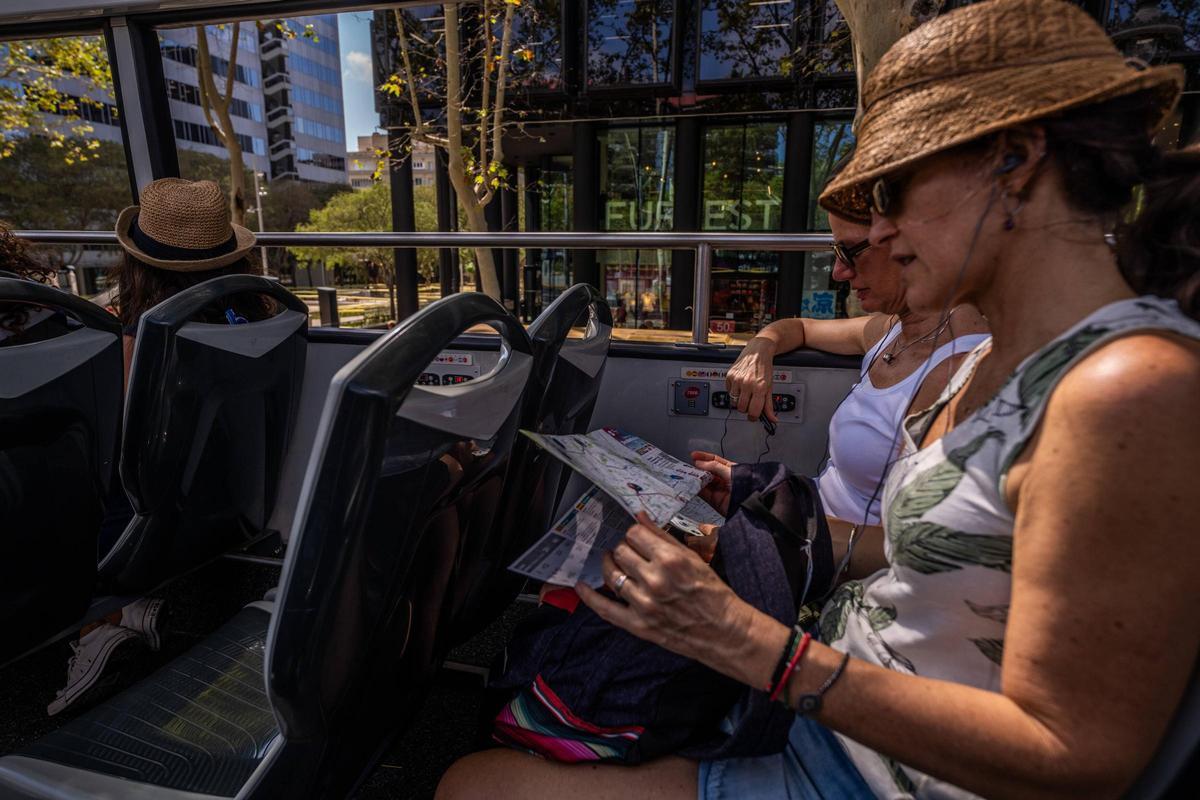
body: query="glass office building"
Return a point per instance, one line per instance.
(701, 115)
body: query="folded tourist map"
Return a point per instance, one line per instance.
(630, 475)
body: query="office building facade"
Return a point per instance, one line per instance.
(286, 106)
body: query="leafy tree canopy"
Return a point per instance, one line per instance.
(46, 89)
(368, 210)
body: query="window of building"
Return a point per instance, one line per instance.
(537, 53)
(823, 297)
(629, 42)
(203, 134)
(742, 39)
(319, 130)
(62, 161)
(555, 213)
(743, 191)
(306, 66)
(318, 100)
(823, 41)
(637, 185)
(188, 54)
(187, 93)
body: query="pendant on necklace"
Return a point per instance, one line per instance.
(888, 358)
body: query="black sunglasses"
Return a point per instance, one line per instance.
(846, 252)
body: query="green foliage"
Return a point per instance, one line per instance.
(41, 190)
(367, 210)
(44, 86)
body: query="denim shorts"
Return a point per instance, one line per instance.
(813, 767)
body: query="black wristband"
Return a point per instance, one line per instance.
(785, 657)
(807, 704)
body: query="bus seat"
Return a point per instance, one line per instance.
(296, 698)
(566, 380)
(381, 539)
(209, 413)
(569, 376)
(1174, 769)
(60, 416)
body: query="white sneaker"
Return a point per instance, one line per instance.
(91, 654)
(142, 616)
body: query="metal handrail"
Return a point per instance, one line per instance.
(702, 244)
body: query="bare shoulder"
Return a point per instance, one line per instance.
(875, 327)
(967, 320)
(1135, 373)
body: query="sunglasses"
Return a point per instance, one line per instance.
(846, 252)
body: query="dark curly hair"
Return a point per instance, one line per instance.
(141, 286)
(1112, 168)
(15, 258)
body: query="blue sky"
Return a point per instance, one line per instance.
(354, 35)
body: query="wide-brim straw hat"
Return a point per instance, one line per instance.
(978, 70)
(184, 226)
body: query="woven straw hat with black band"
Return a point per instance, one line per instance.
(184, 226)
(979, 70)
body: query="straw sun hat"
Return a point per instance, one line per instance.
(978, 70)
(183, 226)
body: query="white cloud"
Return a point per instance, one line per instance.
(357, 66)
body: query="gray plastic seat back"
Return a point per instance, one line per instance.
(383, 532)
(60, 416)
(209, 414)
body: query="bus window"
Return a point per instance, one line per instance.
(59, 128)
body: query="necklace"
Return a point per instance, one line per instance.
(888, 358)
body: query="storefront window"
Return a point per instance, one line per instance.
(638, 191)
(554, 206)
(743, 191)
(746, 38)
(823, 297)
(629, 42)
(832, 141)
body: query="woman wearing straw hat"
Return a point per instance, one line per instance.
(179, 236)
(1026, 638)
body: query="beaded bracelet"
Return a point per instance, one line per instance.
(811, 703)
(791, 667)
(784, 657)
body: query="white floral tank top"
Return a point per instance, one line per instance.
(940, 608)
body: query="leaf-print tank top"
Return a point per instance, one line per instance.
(940, 608)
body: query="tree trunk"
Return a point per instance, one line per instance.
(875, 25)
(485, 265)
(237, 181)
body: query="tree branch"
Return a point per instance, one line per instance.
(233, 54)
(501, 83)
(454, 131)
(409, 77)
(485, 98)
(209, 99)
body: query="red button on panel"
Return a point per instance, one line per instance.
(691, 392)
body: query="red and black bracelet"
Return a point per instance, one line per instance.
(792, 662)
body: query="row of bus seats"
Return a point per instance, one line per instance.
(208, 415)
(413, 500)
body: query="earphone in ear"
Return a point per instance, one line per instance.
(1011, 162)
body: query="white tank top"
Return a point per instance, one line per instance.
(864, 429)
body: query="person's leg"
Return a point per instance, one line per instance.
(498, 774)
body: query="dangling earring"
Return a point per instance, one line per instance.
(1010, 214)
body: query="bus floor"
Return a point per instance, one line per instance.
(447, 726)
